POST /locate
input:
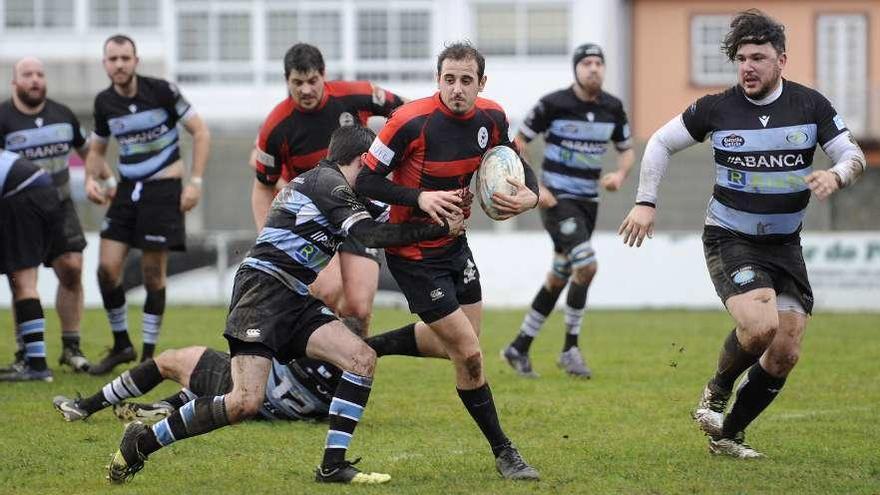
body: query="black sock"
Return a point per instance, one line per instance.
(346, 410)
(147, 351)
(132, 383)
(481, 407)
(571, 340)
(202, 415)
(70, 340)
(575, 302)
(178, 400)
(31, 326)
(356, 325)
(732, 362)
(542, 306)
(753, 396)
(117, 315)
(400, 342)
(154, 309)
(522, 343)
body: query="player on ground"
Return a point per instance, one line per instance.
(433, 146)
(764, 132)
(147, 208)
(293, 139)
(300, 390)
(272, 314)
(45, 132)
(577, 123)
(30, 210)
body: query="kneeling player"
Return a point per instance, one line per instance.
(300, 390)
(272, 314)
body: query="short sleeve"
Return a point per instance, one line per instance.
(829, 124)
(268, 160)
(102, 128)
(179, 105)
(696, 118)
(621, 135)
(79, 138)
(538, 120)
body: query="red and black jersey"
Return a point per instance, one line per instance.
(292, 140)
(430, 148)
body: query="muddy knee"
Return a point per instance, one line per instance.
(473, 365)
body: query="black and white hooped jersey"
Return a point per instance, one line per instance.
(18, 174)
(145, 126)
(762, 155)
(300, 390)
(45, 138)
(308, 220)
(576, 134)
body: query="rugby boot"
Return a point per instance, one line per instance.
(345, 472)
(72, 356)
(16, 364)
(27, 374)
(511, 466)
(69, 408)
(128, 460)
(114, 357)
(733, 447)
(520, 362)
(709, 413)
(573, 363)
(148, 413)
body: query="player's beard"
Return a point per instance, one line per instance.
(126, 83)
(770, 86)
(32, 101)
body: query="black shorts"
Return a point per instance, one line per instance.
(435, 287)
(212, 374)
(68, 237)
(570, 224)
(27, 222)
(737, 265)
(146, 215)
(353, 246)
(268, 319)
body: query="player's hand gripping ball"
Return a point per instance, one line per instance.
(499, 164)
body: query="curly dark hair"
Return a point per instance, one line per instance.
(753, 26)
(462, 50)
(303, 57)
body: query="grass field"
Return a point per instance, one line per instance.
(625, 431)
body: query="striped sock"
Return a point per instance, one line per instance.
(132, 383)
(346, 410)
(117, 315)
(576, 301)
(31, 325)
(154, 308)
(542, 306)
(196, 417)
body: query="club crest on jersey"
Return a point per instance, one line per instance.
(133, 108)
(470, 272)
(591, 116)
(797, 137)
(346, 119)
(732, 141)
(482, 137)
(764, 120)
(39, 121)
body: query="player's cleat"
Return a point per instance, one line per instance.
(573, 363)
(148, 413)
(69, 408)
(27, 374)
(113, 358)
(72, 356)
(347, 473)
(15, 365)
(520, 362)
(511, 465)
(733, 447)
(128, 460)
(709, 413)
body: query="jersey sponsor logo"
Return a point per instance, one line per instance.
(483, 137)
(346, 119)
(470, 271)
(584, 146)
(838, 122)
(305, 254)
(143, 137)
(764, 120)
(266, 159)
(732, 141)
(382, 153)
(762, 161)
(49, 150)
(743, 275)
(155, 238)
(325, 240)
(797, 137)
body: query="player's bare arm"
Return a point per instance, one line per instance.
(201, 150)
(97, 172)
(613, 181)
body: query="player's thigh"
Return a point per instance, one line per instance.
(327, 287)
(360, 280)
(333, 342)
(474, 314)
(458, 336)
(785, 349)
(178, 364)
(755, 312)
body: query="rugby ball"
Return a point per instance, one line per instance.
(499, 164)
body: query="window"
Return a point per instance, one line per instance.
(234, 33)
(31, 14)
(123, 13)
(214, 46)
(841, 66)
(709, 66)
(393, 34)
(519, 28)
(321, 28)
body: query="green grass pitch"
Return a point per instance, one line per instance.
(627, 430)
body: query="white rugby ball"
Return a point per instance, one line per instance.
(499, 164)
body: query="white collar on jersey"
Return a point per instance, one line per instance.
(769, 98)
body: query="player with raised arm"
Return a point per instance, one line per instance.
(148, 206)
(764, 132)
(272, 315)
(293, 138)
(433, 146)
(577, 123)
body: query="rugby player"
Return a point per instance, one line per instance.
(764, 132)
(147, 208)
(577, 122)
(292, 140)
(272, 314)
(433, 146)
(45, 132)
